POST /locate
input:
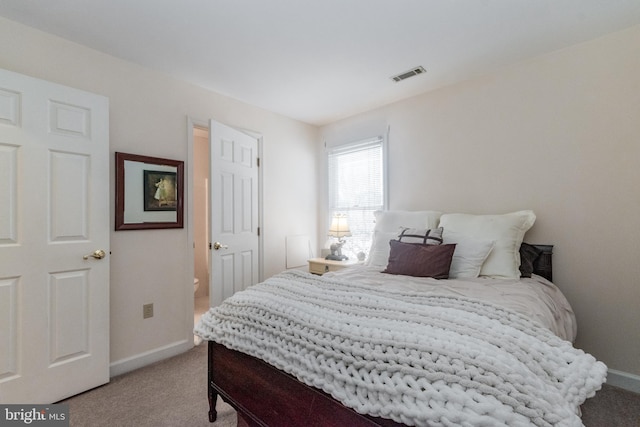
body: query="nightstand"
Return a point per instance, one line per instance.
(320, 265)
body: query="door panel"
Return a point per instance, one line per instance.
(8, 187)
(69, 120)
(246, 259)
(8, 327)
(246, 205)
(68, 316)
(234, 211)
(225, 207)
(54, 170)
(69, 196)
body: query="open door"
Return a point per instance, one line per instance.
(54, 240)
(234, 232)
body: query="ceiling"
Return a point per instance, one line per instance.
(322, 60)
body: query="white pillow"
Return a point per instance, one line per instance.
(379, 253)
(507, 231)
(394, 220)
(469, 256)
(389, 224)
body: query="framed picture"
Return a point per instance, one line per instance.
(140, 203)
(160, 190)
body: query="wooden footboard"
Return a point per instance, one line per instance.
(265, 396)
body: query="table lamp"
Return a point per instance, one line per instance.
(339, 228)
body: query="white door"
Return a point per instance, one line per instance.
(234, 211)
(54, 181)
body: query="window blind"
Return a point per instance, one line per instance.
(357, 189)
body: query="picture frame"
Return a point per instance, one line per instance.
(160, 190)
(136, 206)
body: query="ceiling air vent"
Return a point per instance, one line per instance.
(407, 74)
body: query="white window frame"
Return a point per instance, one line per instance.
(350, 248)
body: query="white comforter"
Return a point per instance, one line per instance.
(535, 297)
(413, 357)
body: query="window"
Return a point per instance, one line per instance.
(357, 188)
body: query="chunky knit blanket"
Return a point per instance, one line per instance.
(416, 358)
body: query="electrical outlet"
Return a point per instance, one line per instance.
(147, 311)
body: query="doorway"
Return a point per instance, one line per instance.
(224, 193)
(201, 174)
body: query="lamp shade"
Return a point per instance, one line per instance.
(339, 227)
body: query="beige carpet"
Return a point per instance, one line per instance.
(172, 393)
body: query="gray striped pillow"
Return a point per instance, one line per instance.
(421, 236)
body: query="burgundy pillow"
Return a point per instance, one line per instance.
(411, 259)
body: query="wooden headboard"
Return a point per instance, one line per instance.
(542, 266)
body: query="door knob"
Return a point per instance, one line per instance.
(218, 245)
(97, 254)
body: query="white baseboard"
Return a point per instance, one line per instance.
(623, 380)
(144, 359)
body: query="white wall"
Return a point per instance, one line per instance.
(558, 134)
(148, 115)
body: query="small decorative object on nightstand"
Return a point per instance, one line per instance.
(339, 228)
(321, 265)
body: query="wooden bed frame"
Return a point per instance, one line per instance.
(265, 396)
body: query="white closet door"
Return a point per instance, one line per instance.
(54, 182)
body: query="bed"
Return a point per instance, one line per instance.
(369, 345)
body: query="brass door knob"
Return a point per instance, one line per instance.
(97, 254)
(218, 245)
